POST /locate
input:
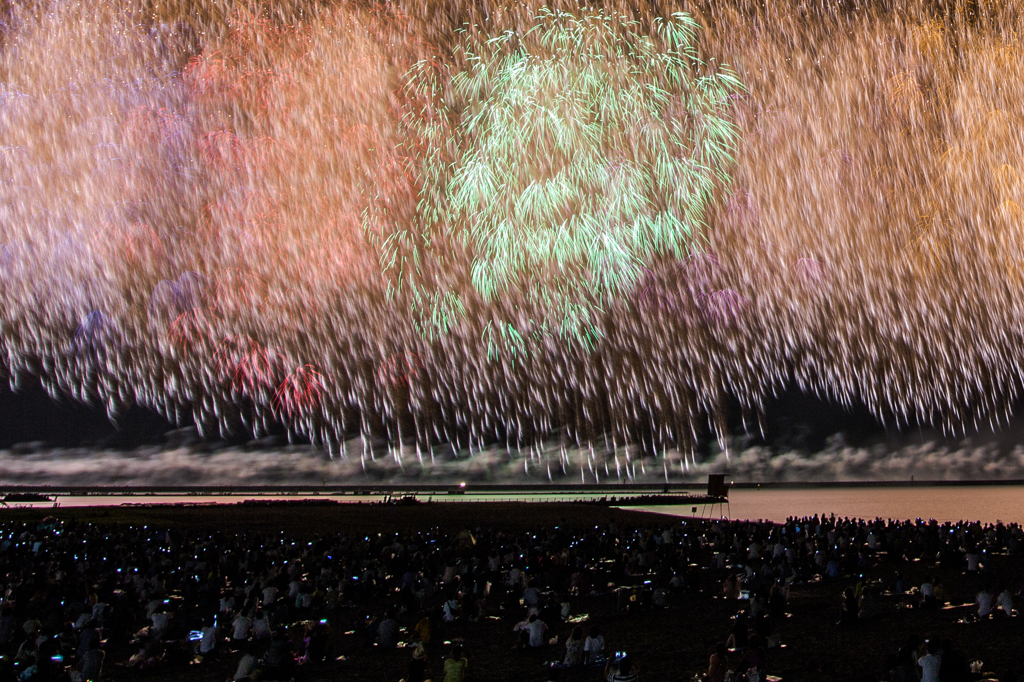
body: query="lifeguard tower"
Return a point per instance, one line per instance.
(717, 496)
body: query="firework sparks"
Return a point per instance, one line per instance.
(520, 231)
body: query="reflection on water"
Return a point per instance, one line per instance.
(943, 503)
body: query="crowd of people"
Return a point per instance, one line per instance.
(83, 601)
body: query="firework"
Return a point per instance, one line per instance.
(349, 220)
(585, 150)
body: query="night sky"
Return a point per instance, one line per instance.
(793, 420)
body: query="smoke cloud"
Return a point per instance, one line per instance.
(189, 462)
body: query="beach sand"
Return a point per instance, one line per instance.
(669, 644)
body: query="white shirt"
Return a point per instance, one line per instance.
(269, 595)
(209, 640)
(536, 630)
(241, 625)
(1006, 602)
(594, 645)
(261, 628)
(246, 667)
(984, 600)
(514, 576)
(159, 623)
(930, 665)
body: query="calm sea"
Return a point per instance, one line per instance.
(942, 503)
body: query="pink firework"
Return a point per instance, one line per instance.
(300, 392)
(224, 149)
(723, 306)
(209, 75)
(230, 351)
(809, 271)
(702, 269)
(257, 370)
(236, 287)
(187, 329)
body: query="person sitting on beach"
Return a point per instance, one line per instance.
(422, 630)
(1004, 602)
(931, 662)
(159, 620)
(455, 666)
(208, 643)
(769, 638)
(621, 671)
(868, 605)
(536, 629)
(718, 665)
(90, 665)
(848, 615)
(905, 668)
(240, 627)
(551, 613)
(757, 657)
(261, 626)
(531, 598)
(418, 665)
(451, 609)
(522, 627)
(740, 633)
(928, 602)
(984, 602)
(731, 587)
(758, 604)
(777, 598)
(593, 646)
(246, 665)
(387, 631)
(574, 648)
(269, 594)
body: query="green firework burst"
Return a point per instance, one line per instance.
(565, 159)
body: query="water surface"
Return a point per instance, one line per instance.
(942, 503)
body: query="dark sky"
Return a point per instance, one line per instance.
(30, 415)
